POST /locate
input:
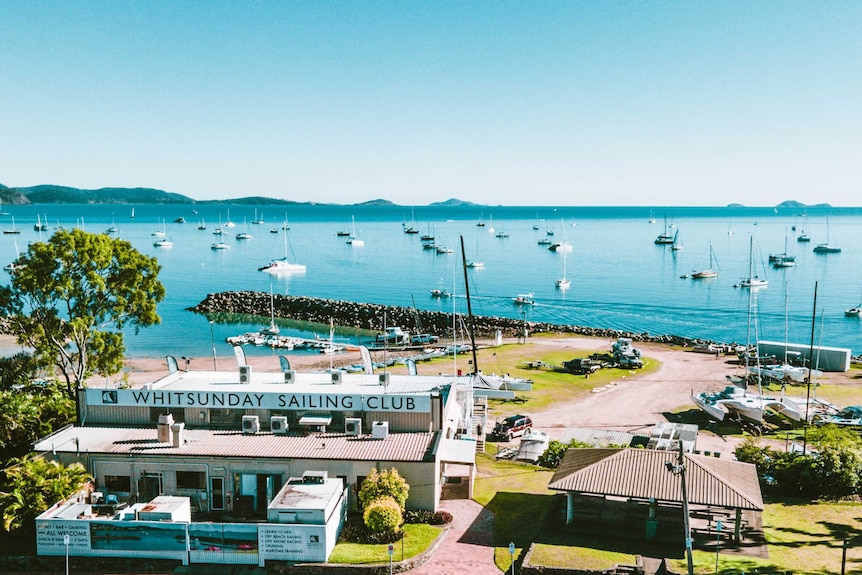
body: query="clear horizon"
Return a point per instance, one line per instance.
(521, 104)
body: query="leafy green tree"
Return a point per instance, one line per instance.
(72, 296)
(17, 371)
(30, 485)
(384, 484)
(830, 469)
(383, 515)
(31, 413)
(552, 456)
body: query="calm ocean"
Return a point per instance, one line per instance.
(619, 278)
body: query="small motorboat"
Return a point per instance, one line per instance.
(524, 299)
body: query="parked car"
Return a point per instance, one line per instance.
(423, 339)
(581, 366)
(513, 426)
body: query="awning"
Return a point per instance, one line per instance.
(457, 451)
(315, 420)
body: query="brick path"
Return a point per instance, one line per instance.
(469, 545)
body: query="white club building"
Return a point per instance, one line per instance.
(245, 466)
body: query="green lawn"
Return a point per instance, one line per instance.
(418, 537)
(518, 496)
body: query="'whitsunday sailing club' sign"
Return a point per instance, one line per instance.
(258, 400)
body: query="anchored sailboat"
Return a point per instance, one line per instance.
(753, 280)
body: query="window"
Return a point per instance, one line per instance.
(191, 480)
(118, 483)
(223, 416)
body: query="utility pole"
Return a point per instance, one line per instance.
(212, 339)
(678, 468)
(808, 376)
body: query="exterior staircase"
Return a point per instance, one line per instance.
(480, 420)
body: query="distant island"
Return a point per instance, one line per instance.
(53, 194)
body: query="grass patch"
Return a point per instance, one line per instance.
(802, 537)
(417, 538)
(563, 556)
(518, 495)
(548, 386)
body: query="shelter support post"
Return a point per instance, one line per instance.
(737, 529)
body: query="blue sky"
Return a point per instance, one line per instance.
(520, 103)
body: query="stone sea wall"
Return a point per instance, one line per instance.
(371, 317)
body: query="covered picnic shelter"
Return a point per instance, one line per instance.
(636, 490)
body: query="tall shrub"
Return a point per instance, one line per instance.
(384, 484)
(383, 515)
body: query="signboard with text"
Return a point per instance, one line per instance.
(259, 400)
(292, 542)
(50, 537)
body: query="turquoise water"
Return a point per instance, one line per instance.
(620, 279)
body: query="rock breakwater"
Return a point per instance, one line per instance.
(370, 316)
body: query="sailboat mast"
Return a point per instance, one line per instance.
(808, 375)
(748, 336)
(469, 307)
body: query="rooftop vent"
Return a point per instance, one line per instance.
(380, 429)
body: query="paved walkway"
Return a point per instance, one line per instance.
(469, 544)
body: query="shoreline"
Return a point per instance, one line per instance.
(357, 315)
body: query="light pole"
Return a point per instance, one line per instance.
(717, 543)
(66, 543)
(678, 468)
(212, 339)
(512, 553)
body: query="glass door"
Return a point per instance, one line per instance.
(217, 493)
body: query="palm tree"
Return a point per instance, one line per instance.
(31, 484)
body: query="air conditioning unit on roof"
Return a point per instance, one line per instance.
(337, 377)
(245, 374)
(290, 376)
(278, 424)
(353, 426)
(383, 378)
(250, 424)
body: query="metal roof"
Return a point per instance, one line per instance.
(643, 473)
(233, 443)
(599, 437)
(303, 382)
